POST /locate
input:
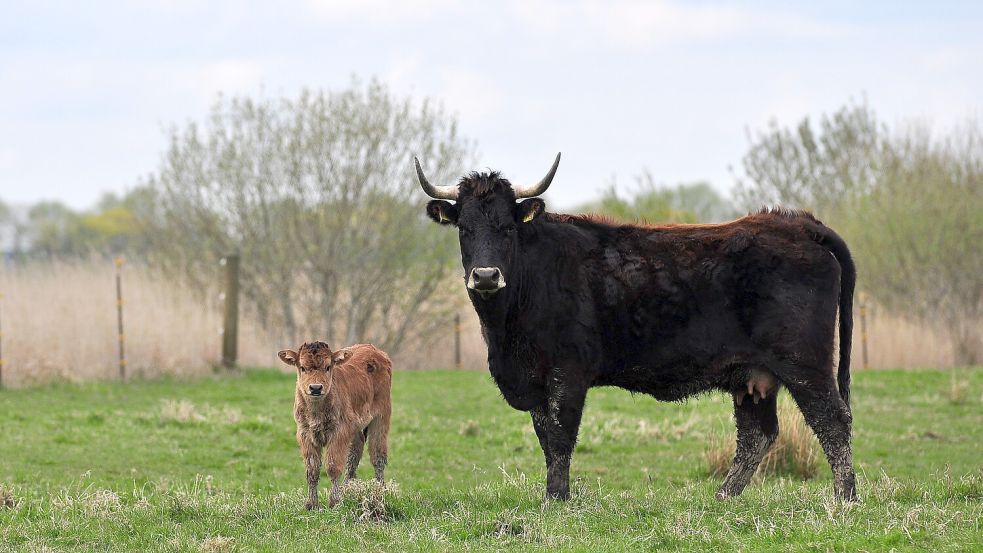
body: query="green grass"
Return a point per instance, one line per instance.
(211, 465)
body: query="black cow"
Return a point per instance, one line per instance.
(570, 302)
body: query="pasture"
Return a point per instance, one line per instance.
(210, 464)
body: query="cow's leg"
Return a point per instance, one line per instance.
(831, 420)
(539, 420)
(355, 453)
(379, 445)
(337, 453)
(757, 428)
(565, 405)
(312, 462)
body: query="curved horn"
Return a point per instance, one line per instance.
(438, 192)
(539, 187)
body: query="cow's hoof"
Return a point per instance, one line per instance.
(848, 496)
(558, 495)
(312, 506)
(722, 495)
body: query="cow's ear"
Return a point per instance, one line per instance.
(340, 356)
(527, 210)
(442, 212)
(288, 356)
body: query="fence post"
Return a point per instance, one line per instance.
(863, 328)
(119, 317)
(457, 341)
(230, 326)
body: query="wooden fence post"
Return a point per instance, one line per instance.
(119, 318)
(230, 326)
(457, 341)
(863, 328)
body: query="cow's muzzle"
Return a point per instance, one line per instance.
(486, 280)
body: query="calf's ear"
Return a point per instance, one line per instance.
(527, 210)
(442, 212)
(340, 356)
(288, 356)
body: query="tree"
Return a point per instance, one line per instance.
(816, 169)
(53, 229)
(910, 207)
(654, 203)
(318, 195)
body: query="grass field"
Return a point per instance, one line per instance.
(211, 465)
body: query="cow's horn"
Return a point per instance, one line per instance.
(438, 192)
(539, 187)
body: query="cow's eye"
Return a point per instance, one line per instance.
(510, 229)
(464, 231)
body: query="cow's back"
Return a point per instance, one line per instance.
(675, 296)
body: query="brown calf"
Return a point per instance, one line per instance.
(342, 400)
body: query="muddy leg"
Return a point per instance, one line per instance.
(337, 453)
(379, 445)
(757, 428)
(831, 420)
(539, 423)
(355, 454)
(312, 462)
(565, 405)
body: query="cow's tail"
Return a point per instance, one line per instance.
(848, 280)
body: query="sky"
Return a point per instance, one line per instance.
(87, 89)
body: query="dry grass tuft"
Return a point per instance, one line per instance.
(7, 498)
(218, 544)
(93, 503)
(509, 524)
(794, 453)
(182, 411)
(470, 428)
(958, 386)
(185, 412)
(371, 499)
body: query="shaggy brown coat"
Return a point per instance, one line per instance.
(342, 400)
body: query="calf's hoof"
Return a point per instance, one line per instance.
(312, 506)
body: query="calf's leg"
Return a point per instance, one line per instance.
(565, 406)
(355, 453)
(337, 452)
(757, 428)
(312, 462)
(379, 445)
